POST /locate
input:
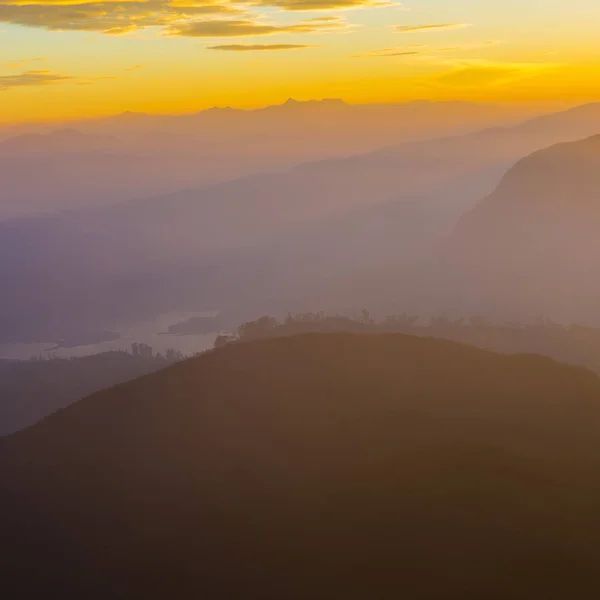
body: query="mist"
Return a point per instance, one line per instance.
(242, 349)
(461, 208)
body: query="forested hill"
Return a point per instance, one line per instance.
(319, 466)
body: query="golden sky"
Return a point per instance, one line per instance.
(72, 58)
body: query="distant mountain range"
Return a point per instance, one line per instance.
(245, 242)
(58, 142)
(103, 161)
(531, 246)
(337, 466)
(359, 126)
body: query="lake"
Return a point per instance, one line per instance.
(151, 332)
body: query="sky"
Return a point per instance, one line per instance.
(72, 58)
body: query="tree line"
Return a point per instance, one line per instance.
(575, 344)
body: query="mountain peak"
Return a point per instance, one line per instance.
(291, 102)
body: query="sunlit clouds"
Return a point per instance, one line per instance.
(173, 16)
(245, 28)
(185, 55)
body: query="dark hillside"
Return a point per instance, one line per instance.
(317, 466)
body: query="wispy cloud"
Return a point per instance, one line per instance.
(258, 47)
(134, 68)
(389, 52)
(487, 73)
(32, 78)
(18, 64)
(475, 46)
(429, 27)
(425, 51)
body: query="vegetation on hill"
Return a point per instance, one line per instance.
(330, 466)
(573, 344)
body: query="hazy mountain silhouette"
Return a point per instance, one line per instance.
(318, 466)
(313, 128)
(158, 154)
(83, 172)
(178, 251)
(33, 389)
(59, 141)
(531, 245)
(246, 210)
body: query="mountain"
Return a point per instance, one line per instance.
(141, 155)
(316, 128)
(531, 246)
(59, 141)
(456, 171)
(332, 466)
(508, 142)
(166, 252)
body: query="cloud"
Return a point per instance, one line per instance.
(108, 17)
(478, 75)
(429, 27)
(134, 68)
(242, 28)
(24, 62)
(386, 53)
(258, 47)
(315, 5)
(489, 73)
(475, 46)
(424, 51)
(186, 16)
(32, 78)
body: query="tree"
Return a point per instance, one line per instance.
(256, 329)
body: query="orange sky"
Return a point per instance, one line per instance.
(66, 58)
